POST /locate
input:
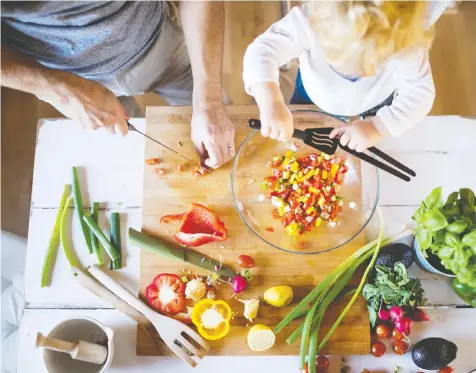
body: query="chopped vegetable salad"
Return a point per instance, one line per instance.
(305, 190)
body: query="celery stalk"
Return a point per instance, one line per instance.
(50, 257)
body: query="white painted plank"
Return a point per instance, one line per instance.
(64, 291)
(435, 134)
(457, 325)
(113, 164)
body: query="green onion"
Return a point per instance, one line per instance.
(115, 235)
(305, 333)
(110, 250)
(311, 359)
(94, 241)
(50, 257)
(78, 204)
(359, 288)
(68, 250)
(333, 276)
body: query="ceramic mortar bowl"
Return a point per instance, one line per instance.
(72, 330)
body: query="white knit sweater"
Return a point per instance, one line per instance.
(293, 37)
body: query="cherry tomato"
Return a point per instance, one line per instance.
(305, 369)
(378, 349)
(446, 370)
(322, 362)
(246, 261)
(382, 330)
(400, 347)
(396, 335)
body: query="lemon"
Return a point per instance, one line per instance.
(279, 296)
(260, 337)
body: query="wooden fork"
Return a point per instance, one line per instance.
(171, 331)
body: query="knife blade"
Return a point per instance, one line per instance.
(157, 246)
(131, 127)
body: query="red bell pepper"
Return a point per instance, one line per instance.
(200, 225)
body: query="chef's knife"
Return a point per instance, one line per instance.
(131, 127)
(187, 255)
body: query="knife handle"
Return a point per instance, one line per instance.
(155, 246)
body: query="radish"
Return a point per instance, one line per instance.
(238, 284)
(396, 313)
(383, 314)
(419, 315)
(404, 325)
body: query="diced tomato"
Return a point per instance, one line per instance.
(275, 214)
(271, 180)
(152, 161)
(270, 229)
(278, 162)
(277, 172)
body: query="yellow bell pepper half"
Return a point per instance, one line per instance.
(212, 318)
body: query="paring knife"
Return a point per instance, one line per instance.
(187, 255)
(133, 128)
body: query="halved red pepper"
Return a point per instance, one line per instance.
(200, 225)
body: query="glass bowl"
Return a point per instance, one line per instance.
(360, 188)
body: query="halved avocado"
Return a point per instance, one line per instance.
(433, 353)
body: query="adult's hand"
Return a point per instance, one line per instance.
(85, 101)
(213, 134)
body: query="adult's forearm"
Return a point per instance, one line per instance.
(23, 73)
(203, 24)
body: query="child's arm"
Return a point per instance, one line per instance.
(283, 41)
(414, 99)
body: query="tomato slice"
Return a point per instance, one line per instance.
(166, 294)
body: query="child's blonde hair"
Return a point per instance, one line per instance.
(364, 34)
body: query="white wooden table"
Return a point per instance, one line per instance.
(440, 150)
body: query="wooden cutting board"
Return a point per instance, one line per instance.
(173, 194)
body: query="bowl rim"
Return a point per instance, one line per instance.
(233, 171)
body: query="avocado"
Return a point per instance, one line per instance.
(433, 353)
(393, 253)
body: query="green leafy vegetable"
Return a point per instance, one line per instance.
(449, 231)
(54, 241)
(391, 287)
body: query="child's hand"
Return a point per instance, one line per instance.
(277, 122)
(358, 135)
(276, 119)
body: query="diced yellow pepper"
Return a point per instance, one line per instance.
(286, 175)
(321, 200)
(313, 190)
(334, 169)
(318, 222)
(309, 174)
(300, 199)
(294, 166)
(324, 174)
(293, 178)
(292, 229)
(329, 176)
(310, 210)
(281, 210)
(289, 154)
